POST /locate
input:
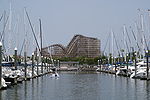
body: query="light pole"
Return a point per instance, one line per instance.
(58, 63)
(98, 62)
(54, 63)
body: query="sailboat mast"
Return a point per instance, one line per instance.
(124, 39)
(41, 35)
(112, 45)
(142, 32)
(41, 46)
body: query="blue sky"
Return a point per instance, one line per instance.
(62, 19)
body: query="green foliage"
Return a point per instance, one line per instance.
(81, 60)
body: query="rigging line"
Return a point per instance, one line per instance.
(146, 43)
(135, 38)
(32, 30)
(116, 44)
(125, 41)
(1, 18)
(49, 49)
(109, 47)
(106, 43)
(22, 47)
(128, 35)
(138, 29)
(127, 46)
(1, 37)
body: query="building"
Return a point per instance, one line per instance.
(82, 46)
(55, 50)
(79, 46)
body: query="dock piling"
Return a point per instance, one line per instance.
(25, 64)
(32, 65)
(127, 59)
(15, 58)
(0, 64)
(147, 60)
(135, 63)
(37, 58)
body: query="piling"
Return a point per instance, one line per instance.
(58, 63)
(47, 64)
(135, 63)
(32, 65)
(37, 58)
(127, 59)
(42, 64)
(15, 59)
(147, 60)
(25, 64)
(100, 64)
(0, 64)
(49, 67)
(115, 66)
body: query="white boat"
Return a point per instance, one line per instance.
(55, 75)
(141, 70)
(3, 83)
(139, 74)
(123, 70)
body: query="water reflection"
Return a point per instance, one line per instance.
(33, 89)
(3, 95)
(81, 83)
(25, 90)
(37, 88)
(16, 93)
(79, 86)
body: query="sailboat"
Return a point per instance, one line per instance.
(54, 69)
(141, 70)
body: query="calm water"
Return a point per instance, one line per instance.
(79, 86)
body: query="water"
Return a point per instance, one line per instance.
(79, 86)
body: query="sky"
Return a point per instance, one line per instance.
(62, 19)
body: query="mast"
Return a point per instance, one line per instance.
(142, 32)
(9, 30)
(32, 30)
(10, 17)
(41, 45)
(149, 25)
(124, 40)
(112, 45)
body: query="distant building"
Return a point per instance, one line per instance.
(82, 46)
(79, 46)
(55, 50)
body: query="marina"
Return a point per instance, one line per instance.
(74, 50)
(79, 86)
